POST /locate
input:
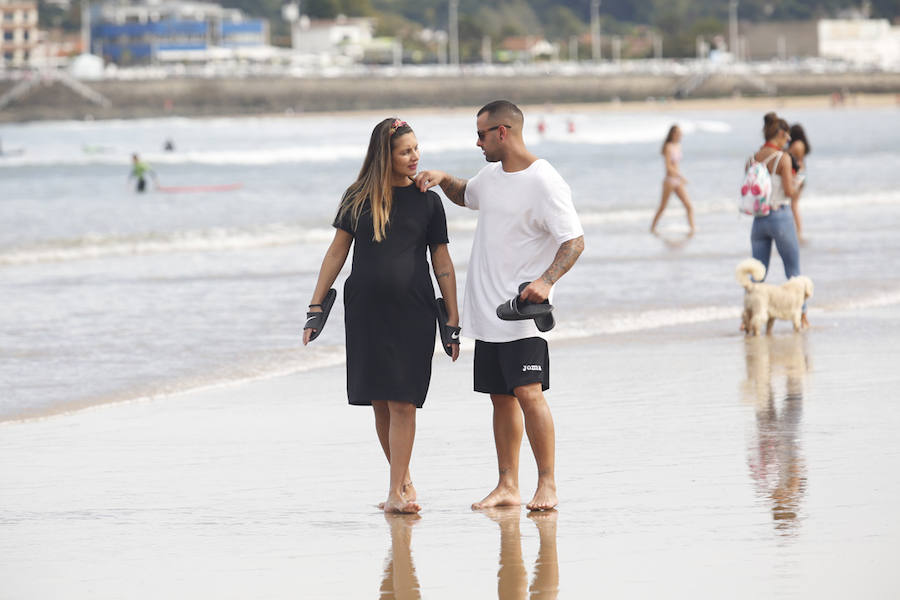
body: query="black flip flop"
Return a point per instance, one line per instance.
(316, 320)
(449, 333)
(518, 309)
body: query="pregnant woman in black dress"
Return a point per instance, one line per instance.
(389, 302)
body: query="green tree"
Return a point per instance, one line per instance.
(356, 8)
(321, 9)
(561, 23)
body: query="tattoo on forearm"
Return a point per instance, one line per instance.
(444, 274)
(455, 188)
(566, 256)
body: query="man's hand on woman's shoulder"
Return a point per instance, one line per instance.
(426, 180)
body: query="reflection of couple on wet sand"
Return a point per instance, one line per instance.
(400, 581)
(528, 233)
(776, 464)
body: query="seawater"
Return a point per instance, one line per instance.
(109, 295)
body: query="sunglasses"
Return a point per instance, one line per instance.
(481, 134)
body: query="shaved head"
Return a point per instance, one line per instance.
(503, 110)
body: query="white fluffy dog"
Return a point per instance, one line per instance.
(763, 302)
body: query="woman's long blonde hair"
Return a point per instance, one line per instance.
(373, 184)
(670, 137)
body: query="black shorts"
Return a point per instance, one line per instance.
(502, 367)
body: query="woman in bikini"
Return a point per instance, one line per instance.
(674, 180)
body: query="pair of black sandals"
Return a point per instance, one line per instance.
(316, 321)
(515, 309)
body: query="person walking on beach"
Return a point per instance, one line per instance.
(389, 302)
(674, 181)
(139, 170)
(782, 224)
(799, 148)
(527, 230)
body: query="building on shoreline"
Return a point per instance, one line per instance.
(18, 23)
(145, 32)
(334, 39)
(872, 42)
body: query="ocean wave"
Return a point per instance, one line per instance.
(93, 246)
(873, 300)
(265, 367)
(643, 320)
(587, 129)
(104, 246)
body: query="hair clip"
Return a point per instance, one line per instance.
(397, 124)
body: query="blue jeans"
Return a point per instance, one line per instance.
(777, 227)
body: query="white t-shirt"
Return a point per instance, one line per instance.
(524, 217)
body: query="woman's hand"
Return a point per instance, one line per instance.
(307, 333)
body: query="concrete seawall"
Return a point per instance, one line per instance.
(208, 97)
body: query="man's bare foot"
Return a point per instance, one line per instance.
(544, 518)
(503, 514)
(544, 498)
(501, 496)
(398, 504)
(804, 322)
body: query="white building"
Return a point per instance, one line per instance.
(862, 41)
(18, 23)
(342, 37)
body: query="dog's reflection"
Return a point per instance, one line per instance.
(399, 581)
(775, 457)
(512, 577)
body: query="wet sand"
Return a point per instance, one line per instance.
(692, 463)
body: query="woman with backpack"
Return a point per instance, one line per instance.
(782, 224)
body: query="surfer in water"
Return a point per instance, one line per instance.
(139, 170)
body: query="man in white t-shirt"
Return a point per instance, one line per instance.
(527, 231)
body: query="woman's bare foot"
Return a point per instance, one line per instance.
(501, 496)
(544, 498)
(804, 323)
(398, 504)
(409, 492)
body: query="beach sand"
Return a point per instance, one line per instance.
(691, 462)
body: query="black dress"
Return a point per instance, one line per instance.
(389, 307)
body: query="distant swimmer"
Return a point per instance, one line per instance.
(11, 152)
(139, 170)
(674, 181)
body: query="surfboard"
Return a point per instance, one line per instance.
(193, 189)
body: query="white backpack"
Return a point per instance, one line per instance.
(756, 189)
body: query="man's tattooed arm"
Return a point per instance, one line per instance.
(566, 256)
(455, 189)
